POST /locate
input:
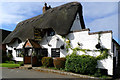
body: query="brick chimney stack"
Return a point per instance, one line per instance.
(45, 8)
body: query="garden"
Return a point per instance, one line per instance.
(8, 62)
(79, 64)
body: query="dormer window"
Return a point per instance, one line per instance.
(50, 32)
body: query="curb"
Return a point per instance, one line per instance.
(63, 72)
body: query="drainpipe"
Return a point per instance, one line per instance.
(31, 56)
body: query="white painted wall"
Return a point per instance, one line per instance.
(76, 24)
(52, 40)
(83, 37)
(17, 46)
(87, 41)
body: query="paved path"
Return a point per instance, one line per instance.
(22, 73)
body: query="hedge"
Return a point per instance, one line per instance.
(47, 61)
(59, 63)
(84, 64)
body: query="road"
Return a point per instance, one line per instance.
(22, 73)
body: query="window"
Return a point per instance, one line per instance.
(42, 52)
(55, 52)
(19, 52)
(50, 32)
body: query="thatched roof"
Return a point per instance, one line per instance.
(60, 19)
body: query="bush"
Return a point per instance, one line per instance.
(21, 63)
(59, 62)
(10, 56)
(81, 64)
(11, 62)
(47, 61)
(97, 73)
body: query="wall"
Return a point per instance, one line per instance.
(12, 46)
(55, 41)
(87, 41)
(76, 24)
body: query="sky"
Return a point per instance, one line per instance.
(98, 16)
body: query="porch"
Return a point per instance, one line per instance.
(33, 53)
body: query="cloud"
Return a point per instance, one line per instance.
(97, 15)
(101, 16)
(95, 10)
(106, 23)
(12, 13)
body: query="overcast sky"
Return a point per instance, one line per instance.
(98, 16)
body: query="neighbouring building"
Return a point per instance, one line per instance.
(4, 34)
(47, 34)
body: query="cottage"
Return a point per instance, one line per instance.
(50, 33)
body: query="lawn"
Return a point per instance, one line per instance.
(9, 65)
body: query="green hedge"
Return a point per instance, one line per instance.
(21, 63)
(59, 63)
(47, 61)
(84, 64)
(11, 62)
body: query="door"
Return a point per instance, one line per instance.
(27, 56)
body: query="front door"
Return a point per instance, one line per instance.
(27, 56)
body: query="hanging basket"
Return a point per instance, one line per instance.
(62, 46)
(98, 46)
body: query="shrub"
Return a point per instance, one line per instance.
(11, 62)
(21, 63)
(47, 61)
(59, 62)
(97, 73)
(81, 64)
(10, 56)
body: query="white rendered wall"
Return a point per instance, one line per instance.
(89, 42)
(76, 24)
(17, 46)
(83, 37)
(52, 40)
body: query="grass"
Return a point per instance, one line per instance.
(9, 65)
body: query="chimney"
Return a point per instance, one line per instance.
(45, 8)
